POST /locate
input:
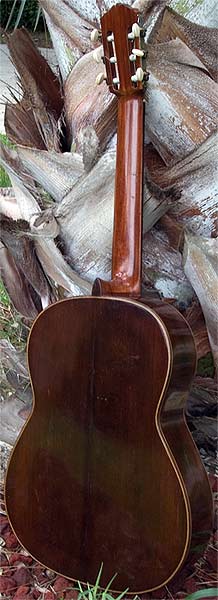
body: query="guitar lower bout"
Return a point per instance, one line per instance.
(100, 482)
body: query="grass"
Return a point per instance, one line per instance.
(11, 325)
(203, 594)
(4, 178)
(94, 592)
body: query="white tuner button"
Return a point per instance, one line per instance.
(139, 75)
(95, 35)
(136, 30)
(132, 58)
(138, 52)
(110, 38)
(100, 78)
(116, 81)
(113, 59)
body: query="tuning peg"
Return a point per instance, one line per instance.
(135, 32)
(100, 78)
(113, 59)
(98, 55)
(110, 38)
(138, 52)
(116, 81)
(139, 75)
(132, 58)
(95, 35)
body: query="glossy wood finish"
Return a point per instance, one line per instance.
(98, 483)
(126, 261)
(126, 252)
(108, 469)
(118, 21)
(175, 429)
(105, 469)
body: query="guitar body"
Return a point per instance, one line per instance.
(105, 469)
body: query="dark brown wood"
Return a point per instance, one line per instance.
(105, 469)
(92, 478)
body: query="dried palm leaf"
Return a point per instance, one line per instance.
(195, 177)
(8, 203)
(65, 50)
(174, 231)
(90, 110)
(201, 40)
(50, 257)
(36, 76)
(57, 269)
(42, 97)
(14, 359)
(11, 420)
(14, 236)
(55, 172)
(200, 265)
(196, 321)
(150, 11)
(182, 101)
(20, 125)
(12, 164)
(198, 11)
(162, 266)
(17, 286)
(65, 15)
(208, 382)
(16, 395)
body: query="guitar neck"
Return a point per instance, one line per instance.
(126, 253)
(124, 58)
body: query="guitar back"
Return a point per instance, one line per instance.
(82, 485)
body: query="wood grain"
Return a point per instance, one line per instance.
(99, 482)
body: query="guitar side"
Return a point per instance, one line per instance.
(173, 424)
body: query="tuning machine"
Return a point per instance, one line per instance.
(100, 78)
(136, 52)
(96, 36)
(135, 32)
(140, 75)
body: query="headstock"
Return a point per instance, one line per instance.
(124, 51)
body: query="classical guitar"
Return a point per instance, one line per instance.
(105, 469)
